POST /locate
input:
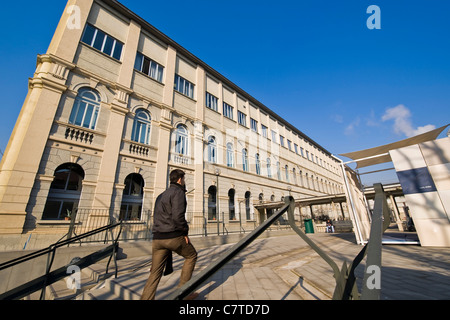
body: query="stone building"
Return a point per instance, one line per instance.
(115, 105)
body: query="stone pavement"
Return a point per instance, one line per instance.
(286, 268)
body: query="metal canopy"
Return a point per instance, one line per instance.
(378, 155)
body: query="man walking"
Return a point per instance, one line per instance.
(170, 234)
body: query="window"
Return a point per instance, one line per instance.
(269, 168)
(64, 193)
(181, 142)
(230, 158)
(212, 150)
(294, 175)
(228, 111)
(286, 168)
(258, 164)
(282, 141)
(289, 145)
(141, 127)
(244, 160)
(274, 136)
(247, 205)
(151, 68)
(242, 118)
(133, 193)
(264, 131)
(302, 151)
(102, 42)
(231, 209)
(253, 125)
(211, 101)
(85, 110)
(296, 148)
(212, 200)
(183, 86)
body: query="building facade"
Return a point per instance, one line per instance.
(115, 105)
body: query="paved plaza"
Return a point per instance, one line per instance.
(284, 267)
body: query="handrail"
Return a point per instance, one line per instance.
(337, 274)
(345, 278)
(196, 281)
(50, 277)
(56, 245)
(380, 222)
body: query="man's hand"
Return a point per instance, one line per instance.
(187, 239)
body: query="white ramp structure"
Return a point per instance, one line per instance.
(422, 164)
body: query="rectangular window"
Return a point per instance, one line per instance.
(274, 136)
(264, 131)
(101, 41)
(228, 111)
(289, 145)
(151, 68)
(282, 141)
(211, 101)
(254, 125)
(242, 118)
(184, 86)
(296, 148)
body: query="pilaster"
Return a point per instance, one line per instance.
(20, 162)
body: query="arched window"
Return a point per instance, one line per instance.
(85, 109)
(269, 168)
(231, 209)
(181, 142)
(141, 127)
(261, 197)
(294, 175)
(301, 178)
(212, 150)
(244, 160)
(230, 157)
(64, 193)
(286, 168)
(247, 205)
(212, 200)
(258, 164)
(131, 207)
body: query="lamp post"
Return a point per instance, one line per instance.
(217, 172)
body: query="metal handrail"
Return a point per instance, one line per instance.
(196, 281)
(346, 288)
(42, 282)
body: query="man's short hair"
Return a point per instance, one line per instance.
(175, 175)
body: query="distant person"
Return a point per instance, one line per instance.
(170, 234)
(330, 227)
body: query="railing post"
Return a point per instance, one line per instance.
(338, 275)
(371, 288)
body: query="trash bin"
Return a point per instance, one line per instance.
(309, 228)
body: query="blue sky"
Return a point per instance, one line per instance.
(315, 63)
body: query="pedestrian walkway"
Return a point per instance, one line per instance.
(286, 268)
